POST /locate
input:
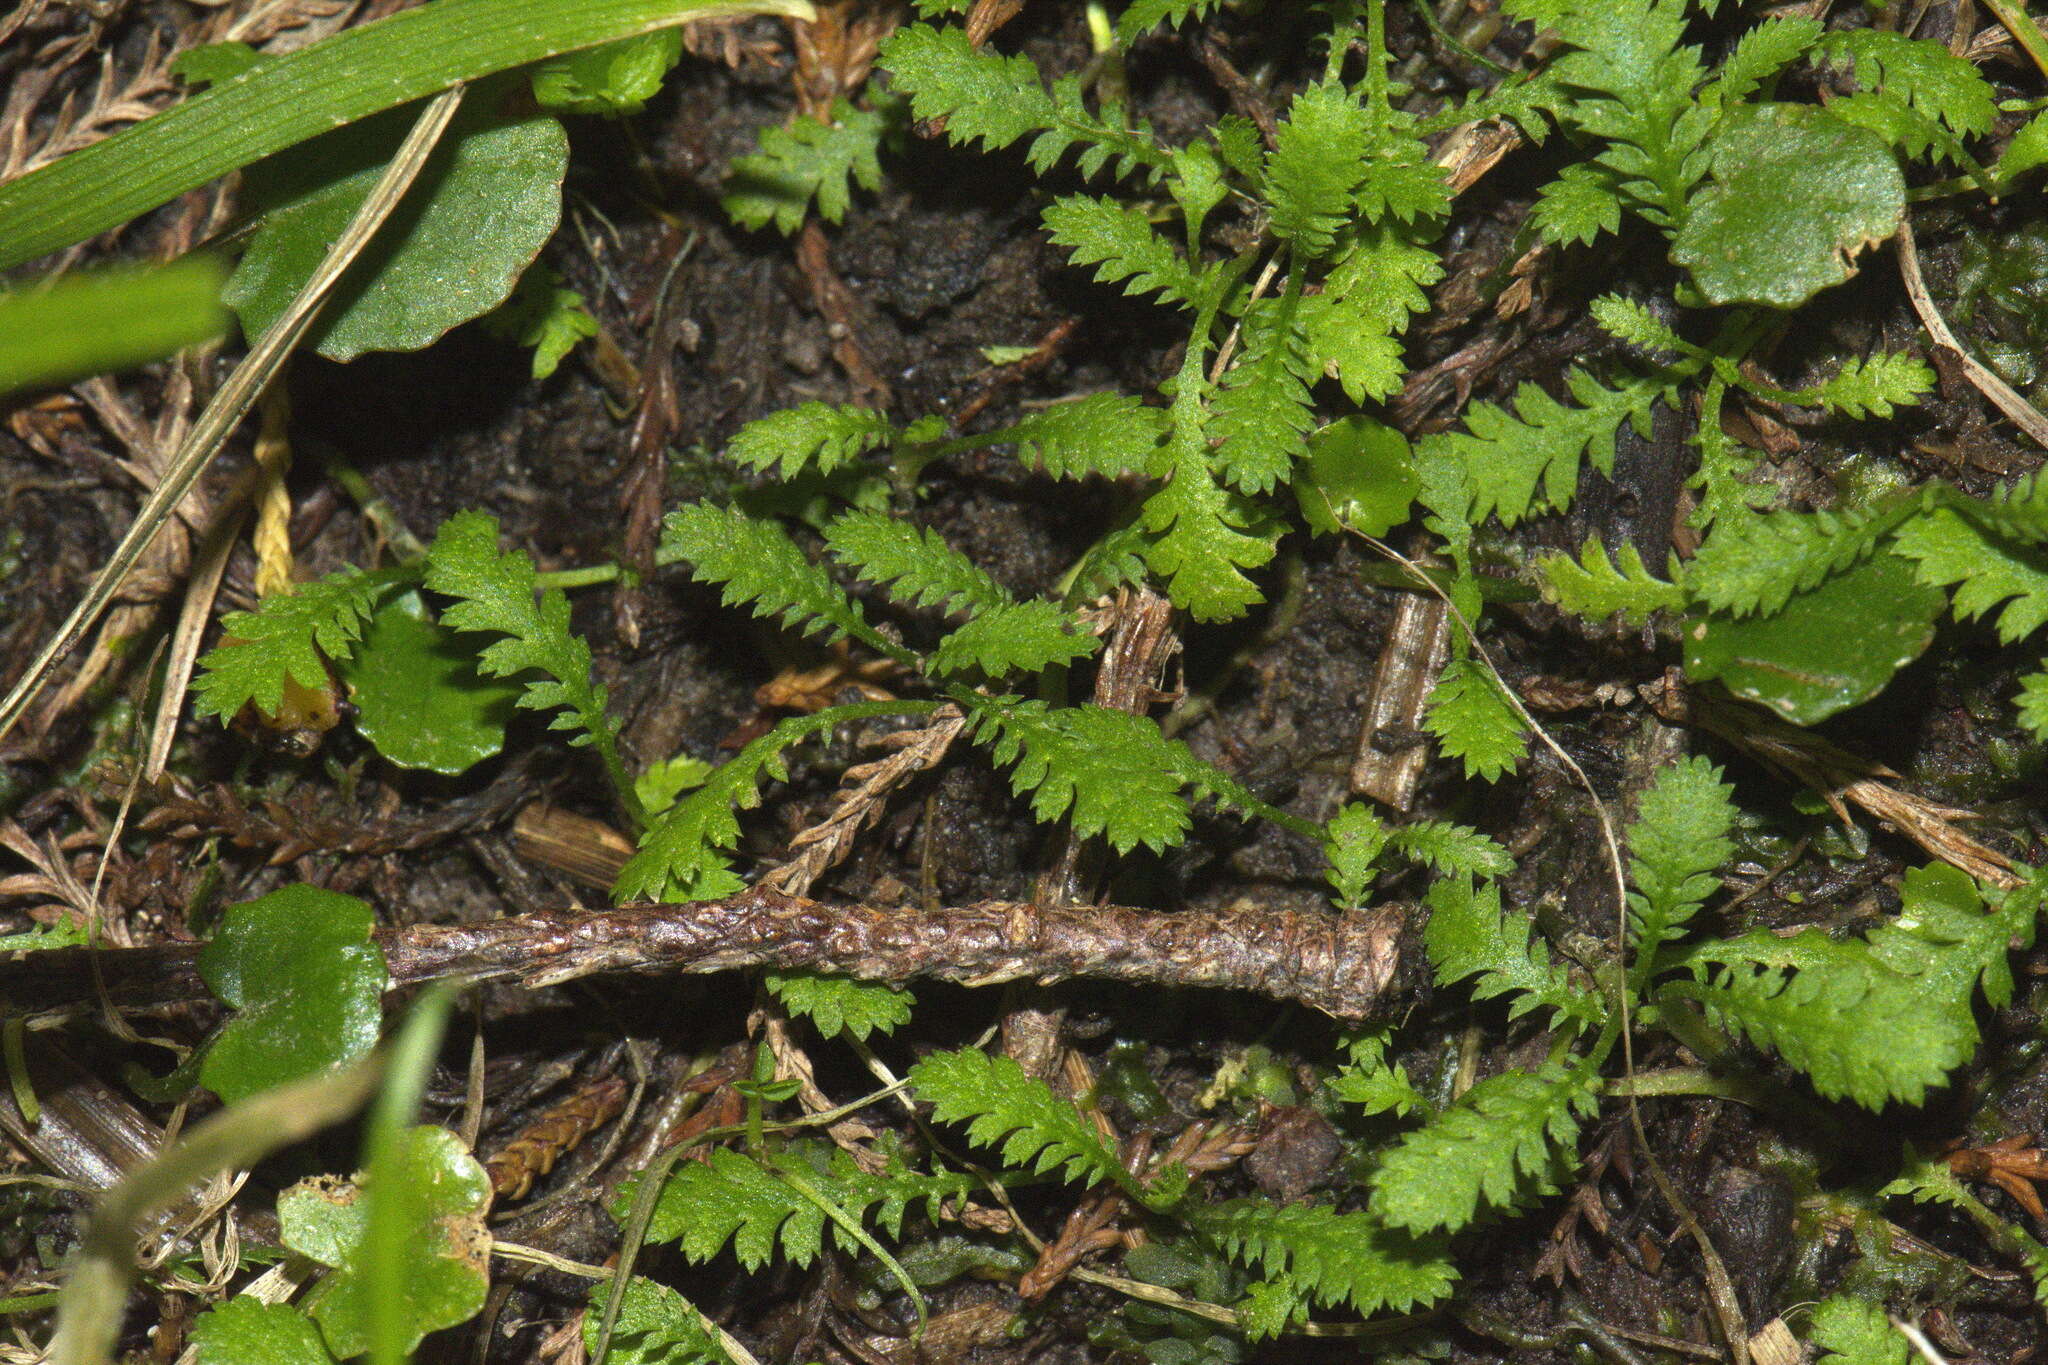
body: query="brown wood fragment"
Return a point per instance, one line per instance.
(1351, 966)
(1391, 746)
(589, 850)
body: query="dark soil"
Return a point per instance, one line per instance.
(948, 259)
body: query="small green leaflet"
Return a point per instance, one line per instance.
(1002, 1106)
(835, 1003)
(1509, 1139)
(307, 985)
(1853, 1331)
(809, 160)
(247, 1331)
(1473, 721)
(1114, 771)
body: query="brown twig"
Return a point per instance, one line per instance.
(1349, 966)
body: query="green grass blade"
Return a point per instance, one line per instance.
(278, 103)
(108, 320)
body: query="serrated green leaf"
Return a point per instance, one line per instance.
(1116, 774)
(809, 160)
(1578, 206)
(1759, 54)
(1342, 1259)
(1596, 588)
(1353, 842)
(307, 984)
(247, 1331)
(810, 436)
(1923, 74)
(1473, 722)
(498, 594)
(1826, 650)
(1517, 464)
(1871, 386)
(1002, 1106)
(1797, 195)
(1858, 1028)
(2033, 703)
(447, 1247)
(1758, 563)
(1142, 16)
(614, 78)
(656, 1326)
(417, 694)
(285, 639)
(545, 318)
(757, 563)
(1104, 433)
(1633, 322)
(1372, 1083)
(1985, 570)
(1471, 936)
(836, 1003)
(1677, 841)
(1854, 1331)
(1452, 849)
(1120, 242)
(1318, 161)
(1261, 411)
(1015, 637)
(1508, 1139)
(1353, 325)
(483, 206)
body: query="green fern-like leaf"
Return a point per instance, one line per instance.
(1016, 637)
(1120, 242)
(1473, 721)
(810, 436)
(1583, 202)
(1104, 433)
(1596, 587)
(1142, 16)
(1353, 840)
(1853, 1331)
(1633, 322)
(682, 854)
(287, 637)
(1679, 837)
(1262, 411)
(1116, 774)
(1371, 1082)
(1353, 326)
(1527, 461)
(758, 564)
(1873, 386)
(1985, 569)
(809, 160)
(1835, 1011)
(1318, 161)
(1508, 1139)
(840, 1003)
(915, 564)
(1342, 1259)
(1946, 937)
(1924, 75)
(1758, 55)
(1002, 1106)
(757, 1208)
(1452, 849)
(496, 594)
(1471, 936)
(1756, 564)
(1203, 534)
(2033, 704)
(997, 100)
(656, 1326)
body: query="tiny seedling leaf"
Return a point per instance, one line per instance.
(248, 1331)
(835, 1003)
(614, 78)
(1359, 477)
(418, 696)
(307, 985)
(447, 1247)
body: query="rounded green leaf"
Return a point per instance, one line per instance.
(248, 1331)
(418, 696)
(447, 1247)
(1825, 650)
(1797, 193)
(487, 200)
(307, 983)
(1359, 475)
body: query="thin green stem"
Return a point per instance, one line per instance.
(2023, 29)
